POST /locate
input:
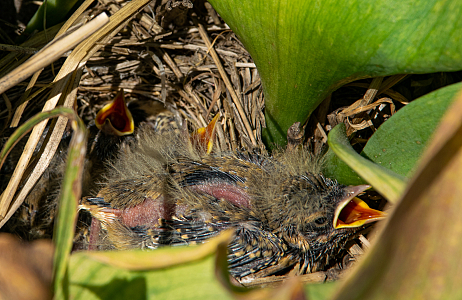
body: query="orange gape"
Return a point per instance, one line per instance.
(115, 118)
(172, 190)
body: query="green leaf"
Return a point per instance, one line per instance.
(321, 291)
(177, 273)
(50, 13)
(69, 196)
(417, 255)
(304, 50)
(398, 143)
(386, 182)
(335, 167)
(140, 260)
(93, 280)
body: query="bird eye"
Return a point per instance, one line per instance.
(322, 221)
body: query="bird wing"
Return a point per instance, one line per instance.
(254, 249)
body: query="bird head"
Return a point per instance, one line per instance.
(115, 118)
(316, 214)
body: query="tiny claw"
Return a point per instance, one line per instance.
(115, 118)
(203, 137)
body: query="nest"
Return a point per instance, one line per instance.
(177, 58)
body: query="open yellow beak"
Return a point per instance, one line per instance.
(353, 212)
(115, 118)
(203, 137)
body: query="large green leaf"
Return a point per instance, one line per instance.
(305, 49)
(90, 279)
(417, 256)
(399, 142)
(166, 273)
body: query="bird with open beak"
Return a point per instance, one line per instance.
(114, 125)
(170, 190)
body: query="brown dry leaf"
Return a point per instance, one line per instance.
(26, 268)
(418, 255)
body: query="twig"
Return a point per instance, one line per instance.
(228, 84)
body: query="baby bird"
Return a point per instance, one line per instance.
(170, 190)
(113, 126)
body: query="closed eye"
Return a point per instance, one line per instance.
(322, 221)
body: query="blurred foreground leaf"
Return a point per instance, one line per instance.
(321, 291)
(93, 280)
(26, 268)
(138, 260)
(178, 273)
(418, 254)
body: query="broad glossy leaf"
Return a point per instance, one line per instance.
(306, 49)
(417, 255)
(398, 143)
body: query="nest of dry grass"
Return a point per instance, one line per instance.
(175, 57)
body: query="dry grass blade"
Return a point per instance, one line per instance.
(47, 154)
(372, 91)
(14, 59)
(74, 16)
(391, 81)
(66, 26)
(19, 111)
(23, 130)
(38, 61)
(228, 84)
(366, 100)
(360, 109)
(392, 94)
(51, 52)
(66, 81)
(9, 108)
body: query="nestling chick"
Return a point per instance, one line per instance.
(165, 191)
(113, 125)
